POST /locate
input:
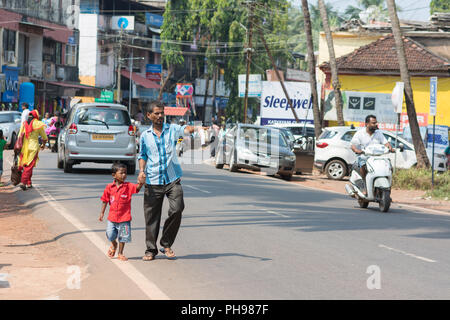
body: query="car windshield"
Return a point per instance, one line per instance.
(302, 131)
(5, 118)
(262, 135)
(99, 116)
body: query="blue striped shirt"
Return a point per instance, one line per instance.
(160, 153)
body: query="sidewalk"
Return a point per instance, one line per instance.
(32, 266)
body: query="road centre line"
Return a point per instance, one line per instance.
(406, 253)
(195, 188)
(148, 287)
(269, 211)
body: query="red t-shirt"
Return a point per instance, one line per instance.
(119, 199)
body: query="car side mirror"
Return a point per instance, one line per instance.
(401, 146)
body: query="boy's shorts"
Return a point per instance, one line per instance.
(1, 167)
(119, 229)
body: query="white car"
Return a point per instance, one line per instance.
(299, 130)
(335, 157)
(10, 125)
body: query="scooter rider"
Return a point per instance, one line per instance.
(365, 137)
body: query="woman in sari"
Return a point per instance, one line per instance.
(28, 158)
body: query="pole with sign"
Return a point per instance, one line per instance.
(397, 103)
(433, 94)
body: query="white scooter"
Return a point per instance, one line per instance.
(378, 179)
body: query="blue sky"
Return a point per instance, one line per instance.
(412, 9)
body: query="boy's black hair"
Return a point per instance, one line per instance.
(1, 134)
(117, 166)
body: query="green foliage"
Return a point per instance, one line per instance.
(439, 6)
(420, 179)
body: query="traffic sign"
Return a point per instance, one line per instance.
(433, 94)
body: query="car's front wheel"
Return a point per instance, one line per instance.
(336, 169)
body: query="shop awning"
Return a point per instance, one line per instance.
(140, 80)
(76, 89)
(175, 111)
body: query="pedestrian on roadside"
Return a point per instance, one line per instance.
(159, 166)
(25, 111)
(28, 158)
(2, 146)
(47, 119)
(118, 196)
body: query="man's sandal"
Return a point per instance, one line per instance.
(148, 257)
(168, 252)
(112, 251)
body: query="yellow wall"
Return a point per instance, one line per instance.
(421, 92)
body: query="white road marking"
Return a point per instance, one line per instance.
(148, 287)
(195, 188)
(406, 253)
(269, 211)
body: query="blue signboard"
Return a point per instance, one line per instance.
(153, 68)
(27, 94)
(433, 93)
(11, 84)
(153, 20)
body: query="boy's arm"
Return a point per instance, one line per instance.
(102, 211)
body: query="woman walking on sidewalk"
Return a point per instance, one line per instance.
(28, 158)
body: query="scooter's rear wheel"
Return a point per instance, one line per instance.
(363, 204)
(385, 200)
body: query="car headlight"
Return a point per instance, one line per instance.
(289, 158)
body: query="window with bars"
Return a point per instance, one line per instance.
(71, 55)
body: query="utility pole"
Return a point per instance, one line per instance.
(333, 65)
(312, 69)
(119, 66)
(278, 74)
(419, 148)
(249, 56)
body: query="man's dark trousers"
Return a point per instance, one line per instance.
(153, 201)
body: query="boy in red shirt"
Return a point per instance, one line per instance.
(118, 195)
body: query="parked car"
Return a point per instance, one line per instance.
(97, 132)
(256, 148)
(304, 138)
(335, 157)
(10, 125)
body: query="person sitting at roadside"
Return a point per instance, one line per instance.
(118, 196)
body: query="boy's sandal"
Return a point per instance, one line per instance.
(111, 251)
(122, 257)
(168, 252)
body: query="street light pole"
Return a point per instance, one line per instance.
(131, 80)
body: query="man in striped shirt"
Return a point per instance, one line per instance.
(158, 163)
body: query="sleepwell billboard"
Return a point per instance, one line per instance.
(275, 107)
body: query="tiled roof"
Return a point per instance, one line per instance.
(381, 56)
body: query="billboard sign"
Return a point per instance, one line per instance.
(254, 85)
(153, 72)
(275, 108)
(154, 20)
(122, 22)
(10, 94)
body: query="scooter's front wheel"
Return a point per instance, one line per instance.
(363, 204)
(385, 200)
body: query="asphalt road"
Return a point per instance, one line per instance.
(245, 236)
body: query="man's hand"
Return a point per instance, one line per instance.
(141, 177)
(101, 216)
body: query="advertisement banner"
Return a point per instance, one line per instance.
(254, 85)
(358, 105)
(153, 72)
(422, 119)
(154, 20)
(10, 94)
(440, 138)
(122, 22)
(275, 107)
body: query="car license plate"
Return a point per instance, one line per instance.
(102, 137)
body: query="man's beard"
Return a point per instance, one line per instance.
(373, 129)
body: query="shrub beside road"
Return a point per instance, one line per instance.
(420, 179)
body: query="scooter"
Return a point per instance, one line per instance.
(378, 179)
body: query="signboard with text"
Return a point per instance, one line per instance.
(11, 84)
(153, 72)
(254, 85)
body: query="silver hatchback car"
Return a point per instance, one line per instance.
(97, 132)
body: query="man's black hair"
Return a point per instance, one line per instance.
(26, 105)
(152, 105)
(117, 166)
(1, 134)
(369, 117)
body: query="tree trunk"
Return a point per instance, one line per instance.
(205, 97)
(421, 154)
(166, 81)
(333, 66)
(214, 93)
(312, 69)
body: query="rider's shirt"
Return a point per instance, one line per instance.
(362, 139)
